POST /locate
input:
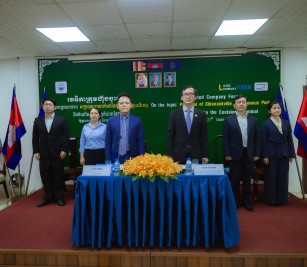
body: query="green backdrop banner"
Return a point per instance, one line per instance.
(79, 86)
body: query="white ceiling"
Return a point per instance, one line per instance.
(146, 25)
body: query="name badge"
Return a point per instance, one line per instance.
(208, 169)
(96, 170)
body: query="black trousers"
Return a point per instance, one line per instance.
(241, 169)
(94, 156)
(276, 180)
(52, 175)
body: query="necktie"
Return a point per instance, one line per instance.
(188, 120)
(123, 137)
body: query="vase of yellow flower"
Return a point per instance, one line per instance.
(151, 166)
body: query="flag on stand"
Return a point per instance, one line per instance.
(41, 111)
(12, 146)
(300, 131)
(138, 66)
(281, 99)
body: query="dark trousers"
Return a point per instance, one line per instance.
(52, 175)
(276, 180)
(94, 156)
(124, 158)
(241, 169)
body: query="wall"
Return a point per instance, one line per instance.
(23, 72)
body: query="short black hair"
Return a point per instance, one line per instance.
(49, 99)
(124, 94)
(238, 97)
(99, 112)
(189, 86)
(273, 102)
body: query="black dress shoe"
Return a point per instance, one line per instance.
(61, 202)
(248, 207)
(42, 203)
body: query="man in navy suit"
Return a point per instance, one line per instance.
(124, 134)
(187, 133)
(50, 141)
(241, 149)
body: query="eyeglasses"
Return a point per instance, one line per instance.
(188, 94)
(48, 104)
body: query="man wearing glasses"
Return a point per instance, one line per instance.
(187, 133)
(50, 141)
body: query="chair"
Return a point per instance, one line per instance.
(257, 176)
(3, 180)
(73, 171)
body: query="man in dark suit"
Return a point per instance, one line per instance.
(124, 134)
(241, 149)
(50, 142)
(169, 81)
(187, 133)
(155, 81)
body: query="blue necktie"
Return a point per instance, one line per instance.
(123, 137)
(188, 120)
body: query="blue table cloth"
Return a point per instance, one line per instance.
(187, 212)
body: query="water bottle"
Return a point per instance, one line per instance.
(188, 167)
(116, 167)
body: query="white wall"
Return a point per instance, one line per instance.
(23, 72)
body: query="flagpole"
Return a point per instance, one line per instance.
(300, 178)
(30, 170)
(12, 189)
(19, 180)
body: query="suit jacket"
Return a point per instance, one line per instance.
(50, 145)
(232, 138)
(274, 144)
(180, 142)
(135, 137)
(169, 84)
(153, 84)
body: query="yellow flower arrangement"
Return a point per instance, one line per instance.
(151, 166)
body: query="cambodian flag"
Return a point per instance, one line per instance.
(12, 147)
(300, 131)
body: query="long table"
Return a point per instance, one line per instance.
(189, 211)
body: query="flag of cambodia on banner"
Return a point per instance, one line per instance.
(155, 65)
(12, 147)
(300, 131)
(138, 66)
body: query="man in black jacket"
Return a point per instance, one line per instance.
(50, 142)
(187, 133)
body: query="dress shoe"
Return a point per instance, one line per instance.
(248, 207)
(61, 202)
(42, 203)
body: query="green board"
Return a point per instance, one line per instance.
(78, 86)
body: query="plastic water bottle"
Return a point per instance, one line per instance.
(116, 167)
(188, 167)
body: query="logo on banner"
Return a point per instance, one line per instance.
(261, 86)
(60, 87)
